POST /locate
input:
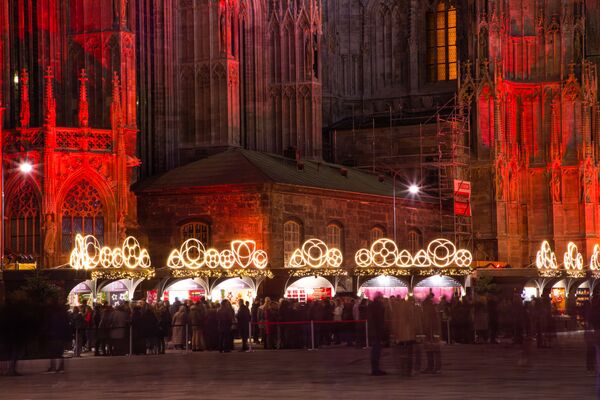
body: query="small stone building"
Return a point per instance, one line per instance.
(279, 203)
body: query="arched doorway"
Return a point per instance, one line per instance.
(310, 288)
(83, 291)
(234, 289)
(388, 286)
(440, 286)
(185, 289)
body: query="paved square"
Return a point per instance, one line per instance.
(469, 372)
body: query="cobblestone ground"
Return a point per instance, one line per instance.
(469, 372)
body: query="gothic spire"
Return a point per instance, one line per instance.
(116, 112)
(49, 100)
(83, 100)
(25, 112)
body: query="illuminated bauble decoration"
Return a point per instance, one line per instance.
(404, 259)
(441, 252)
(595, 259)
(212, 258)
(572, 258)
(296, 260)
(192, 253)
(227, 259)
(87, 254)
(421, 259)
(243, 251)
(175, 261)
(545, 257)
(363, 258)
(334, 258)
(384, 253)
(463, 258)
(314, 253)
(260, 259)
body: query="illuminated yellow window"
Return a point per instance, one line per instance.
(442, 54)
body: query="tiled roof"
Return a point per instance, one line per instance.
(239, 166)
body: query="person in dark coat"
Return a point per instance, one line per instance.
(164, 327)
(243, 321)
(254, 314)
(137, 329)
(225, 316)
(57, 333)
(150, 330)
(376, 319)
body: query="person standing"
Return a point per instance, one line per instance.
(225, 318)
(78, 326)
(179, 324)
(196, 319)
(57, 334)
(376, 320)
(431, 330)
(243, 321)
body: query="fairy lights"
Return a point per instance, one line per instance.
(595, 259)
(440, 253)
(573, 260)
(192, 255)
(88, 254)
(314, 253)
(545, 257)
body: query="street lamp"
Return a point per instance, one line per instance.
(414, 189)
(25, 167)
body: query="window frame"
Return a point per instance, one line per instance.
(340, 231)
(376, 228)
(289, 247)
(441, 37)
(195, 225)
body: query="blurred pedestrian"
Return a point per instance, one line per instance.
(376, 319)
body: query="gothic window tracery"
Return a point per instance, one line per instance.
(441, 42)
(291, 239)
(23, 228)
(196, 230)
(334, 235)
(82, 212)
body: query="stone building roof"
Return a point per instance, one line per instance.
(241, 167)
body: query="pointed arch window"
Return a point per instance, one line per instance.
(377, 233)
(334, 235)
(415, 241)
(82, 212)
(441, 42)
(291, 239)
(23, 222)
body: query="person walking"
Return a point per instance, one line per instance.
(243, 321)
(376, 320)
(78, 327)
(56, 332)
(431, 330)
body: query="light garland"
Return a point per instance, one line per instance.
(545, 260)
(88, 254)
(225, 273)
(116, 274)
(315, 254)
(321, 272)
(192, 255)
(440, 253)
(418, 271)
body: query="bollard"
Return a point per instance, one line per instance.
(76, 352)
(366, 334)
(250, 336)
(187, 338)
(312, 334)
(130, 340)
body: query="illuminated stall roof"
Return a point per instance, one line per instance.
(440, 256)
(573, 263)
(128, 261)
(314, 257)
(193, 259)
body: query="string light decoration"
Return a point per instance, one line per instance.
(573, 260)
(595, 259)
(545, 258)
(192, 255)
(315, 254)
(89, 255)
(440, 253)
(221, 273)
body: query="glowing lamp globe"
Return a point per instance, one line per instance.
(26, 167)
(414, 189)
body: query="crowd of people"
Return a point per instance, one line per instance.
(414, 329)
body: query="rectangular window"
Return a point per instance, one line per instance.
(442, 54)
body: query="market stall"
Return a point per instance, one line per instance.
(233, 273)
(314, 271)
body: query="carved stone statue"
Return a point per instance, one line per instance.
(500, 178)
(556, 184)
(49, 239)
(587, 176)
(223, 31)
(120, 13)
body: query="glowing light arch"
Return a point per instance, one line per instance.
(193, 255)
(573, 260)
(440, 253)
(595, 259)
(87, 254)
(314, 253)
